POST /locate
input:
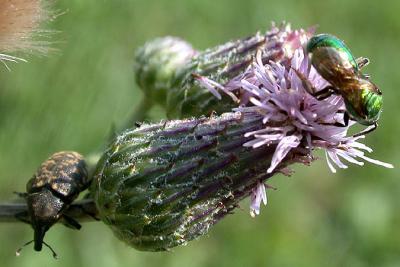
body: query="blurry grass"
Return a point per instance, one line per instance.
(70, 100)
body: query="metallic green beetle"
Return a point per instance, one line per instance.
(336, 64)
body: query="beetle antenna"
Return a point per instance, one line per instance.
(55, 256)
(18, 251)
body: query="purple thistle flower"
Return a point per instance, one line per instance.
(257, 196)
(291, 115)
(278, 44)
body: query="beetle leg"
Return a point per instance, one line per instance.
(72, 223)
(346, 119)
(92, 214)
(21, 195)
(23, 217)
(325, 93)
(367, 130)
(89, 210)
(305, 82)
(362, 62)
(366, 76)
(319, 95)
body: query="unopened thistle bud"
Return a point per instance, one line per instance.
(156, 64)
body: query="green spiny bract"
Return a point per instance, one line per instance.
(187, 97)
(161, 185)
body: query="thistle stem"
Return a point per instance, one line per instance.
(82, 211)
(140, 113)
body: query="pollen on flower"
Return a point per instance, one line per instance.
(291, 115)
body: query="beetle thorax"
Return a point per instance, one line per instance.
(44, 207)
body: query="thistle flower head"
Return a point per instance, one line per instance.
(167, 69)
(291, 115)
(286, 39)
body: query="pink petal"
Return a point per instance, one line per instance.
(283, 148)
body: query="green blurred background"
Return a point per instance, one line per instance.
(70, 99)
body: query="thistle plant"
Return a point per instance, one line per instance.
(160, 185)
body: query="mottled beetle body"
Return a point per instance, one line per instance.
(57, 182)
(336, 64)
